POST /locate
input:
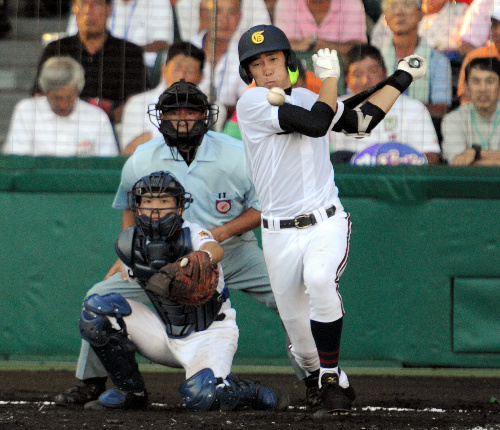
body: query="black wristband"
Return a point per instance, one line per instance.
(400, 80)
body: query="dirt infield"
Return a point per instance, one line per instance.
(384, 402)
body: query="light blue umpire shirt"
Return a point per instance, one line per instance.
(222, 190)
(217, 178)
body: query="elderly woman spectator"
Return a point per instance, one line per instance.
(59, 123)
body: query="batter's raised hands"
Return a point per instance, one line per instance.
(326, 64)
(415, 65)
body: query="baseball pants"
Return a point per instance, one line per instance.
(304, 267)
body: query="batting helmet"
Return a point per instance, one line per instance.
(265, 38)
(156, 185)
(183, 95)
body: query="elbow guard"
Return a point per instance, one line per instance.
(359, 122)
(313, 123)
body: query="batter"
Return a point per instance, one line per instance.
(305, 229)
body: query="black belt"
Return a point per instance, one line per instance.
(300, 221)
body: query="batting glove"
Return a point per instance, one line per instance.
(415, 65)
(326, 64)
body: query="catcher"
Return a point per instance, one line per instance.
(193, 326)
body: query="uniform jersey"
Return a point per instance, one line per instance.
(276, 156)
(217, 179)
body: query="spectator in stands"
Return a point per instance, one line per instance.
(315, 24)
(475, 31)
(435, 88)
(470, 133)
(253, 12)
(221, 48)
(408, 121)
(114, 68)
(184, 61)
(440, 25)
(146, 23)
(60, 124)
(271, 8)
(490, 49)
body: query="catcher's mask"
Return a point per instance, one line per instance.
(183, 95)
(152, 224)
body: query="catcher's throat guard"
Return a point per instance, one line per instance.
(146, 257)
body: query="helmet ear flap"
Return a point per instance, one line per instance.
(292, 63)
(245, 76)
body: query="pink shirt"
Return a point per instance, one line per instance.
(476, 25)
(344, 22)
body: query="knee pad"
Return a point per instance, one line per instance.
(95, 326)
(109, 304)
(198, 392)
(113, 348)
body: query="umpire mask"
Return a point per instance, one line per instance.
(183, 116)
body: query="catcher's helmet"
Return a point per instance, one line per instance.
(155, 185)
(183, 95)
(265, 38)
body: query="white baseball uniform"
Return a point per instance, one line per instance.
(293, 175)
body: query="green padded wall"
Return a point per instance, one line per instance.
(416, 231)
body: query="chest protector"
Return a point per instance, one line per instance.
(147, 258)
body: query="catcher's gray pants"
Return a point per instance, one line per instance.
(244, 269)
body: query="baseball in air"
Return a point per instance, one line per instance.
(276, 96)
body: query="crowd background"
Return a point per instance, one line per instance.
(447, 33)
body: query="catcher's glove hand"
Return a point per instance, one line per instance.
(191, 280)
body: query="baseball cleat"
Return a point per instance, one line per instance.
(312, 391)
(312, 397)
(82, 393)
(335, 399)
(118, 399)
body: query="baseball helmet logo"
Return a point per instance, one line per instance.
(223, 206)
(258, 37)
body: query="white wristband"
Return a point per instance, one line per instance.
(209, 254)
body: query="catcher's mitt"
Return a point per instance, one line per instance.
(191, 280)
